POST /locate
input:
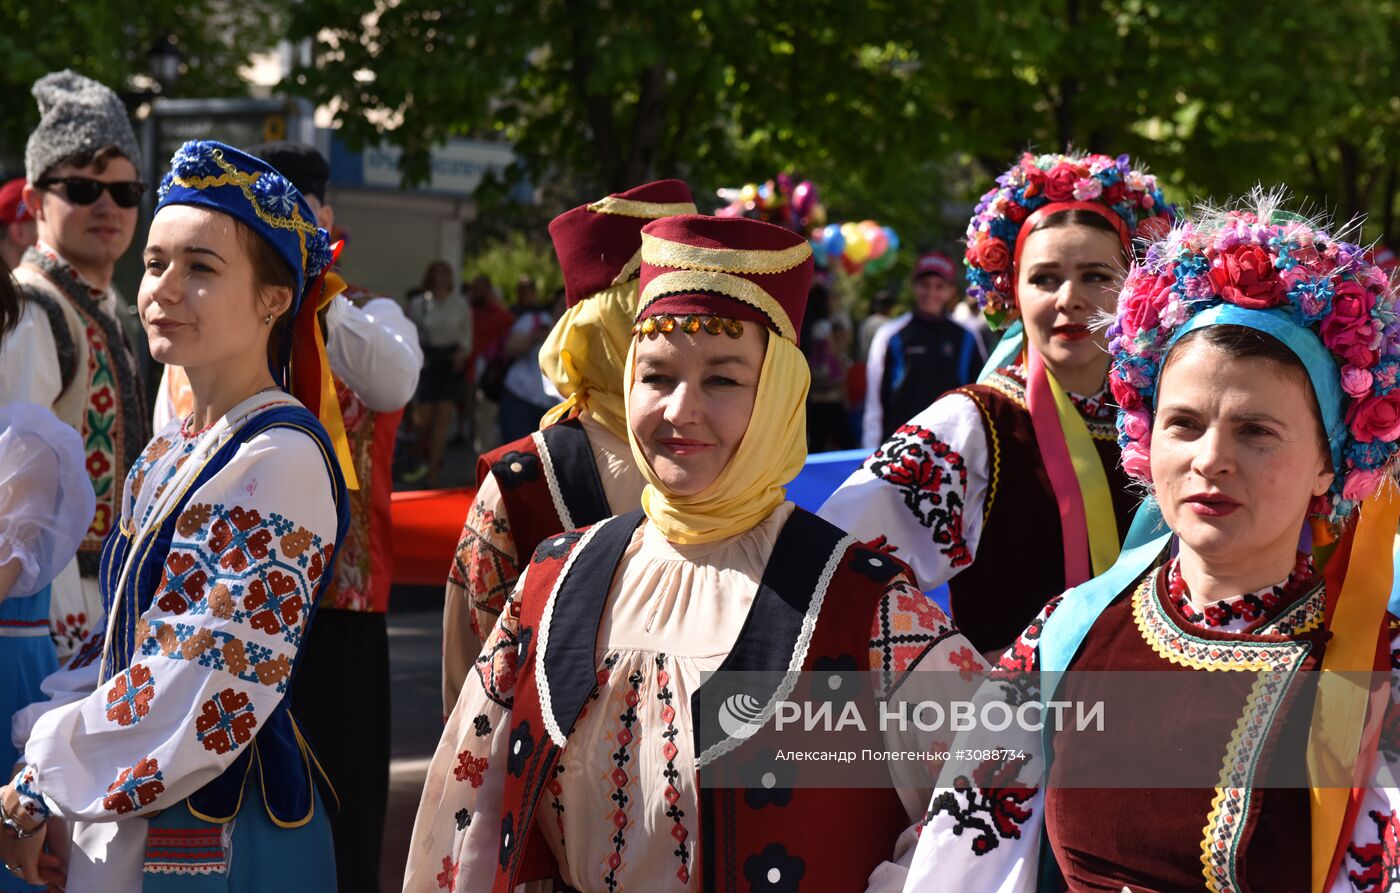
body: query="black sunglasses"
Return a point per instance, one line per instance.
(85, 191)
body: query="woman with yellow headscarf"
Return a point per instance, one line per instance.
(574, 751)
(577, 469)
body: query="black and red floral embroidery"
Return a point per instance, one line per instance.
(931, 477)
(671, 773)
(774, 870)
(767, 780)
(522, 744)
(498, 664)
(874, 565)
(471, 768)
(620, 778)
(988, 804)
(515, 468)
(1247, 608)
(1378, 864)
(557, 547)
(447, 878)
(906, 627)
(481, 567)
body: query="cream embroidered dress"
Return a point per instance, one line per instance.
(621, 813)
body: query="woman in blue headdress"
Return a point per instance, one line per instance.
(166, 744)
(1255, 364)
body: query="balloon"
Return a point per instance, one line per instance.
(819, 255)
(749, 193)
(817, 215)
(892, 237)
(765, 191)
(858, 249)
(869, 228)
(851, 267)
(834, 241)
(851, 231)
(882, 263)
(804, 196)
(878, 243)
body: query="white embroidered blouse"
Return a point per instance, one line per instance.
(928, 505)
(214, 651)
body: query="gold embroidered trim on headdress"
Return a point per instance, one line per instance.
(629, 270)
(736, 287)
(625, 207)
(232, 176)
(661, 252)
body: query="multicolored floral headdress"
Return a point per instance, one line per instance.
(1283, 275)
(1040, 185)
(213, 175)
(209, 174)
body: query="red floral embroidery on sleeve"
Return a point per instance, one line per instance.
(1378, 864)
(932, 478)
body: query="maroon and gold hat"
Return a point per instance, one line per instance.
(597, 243)
(701, 269)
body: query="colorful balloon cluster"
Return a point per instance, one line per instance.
(780, 200)
(859, 247)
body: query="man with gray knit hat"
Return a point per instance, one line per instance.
(68, 351)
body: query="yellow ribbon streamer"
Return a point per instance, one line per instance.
(1339, 715)
(330, 415)
(1099, 517)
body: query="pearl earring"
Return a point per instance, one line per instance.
(267, 320)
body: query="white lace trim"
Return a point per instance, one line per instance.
(554, 492)
(799, 654)
(542, 679)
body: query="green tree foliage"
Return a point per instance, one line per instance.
(894, 109)
(505, 260)
(108, 40)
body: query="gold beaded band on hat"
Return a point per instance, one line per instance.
(665, 323)
(661, 252)
(626, 207)
(740, 289)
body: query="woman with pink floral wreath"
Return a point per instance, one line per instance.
(1255, 361)
(1028, 455)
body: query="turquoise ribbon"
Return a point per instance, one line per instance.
(1066, 628)
(1305, 344)
(1004, 354)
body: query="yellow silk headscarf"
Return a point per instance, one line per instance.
(751, 486)
(585, 357)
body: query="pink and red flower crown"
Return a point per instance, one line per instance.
(1035, 182)
(1261, 259)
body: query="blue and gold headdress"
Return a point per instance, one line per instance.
(212, 175)
(216, 176)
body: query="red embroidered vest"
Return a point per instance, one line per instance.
(549, 483)
(816, 601)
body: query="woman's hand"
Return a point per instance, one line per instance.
(26, 859)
